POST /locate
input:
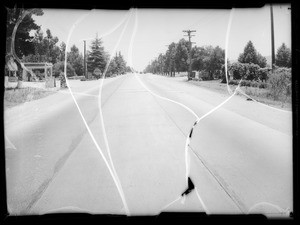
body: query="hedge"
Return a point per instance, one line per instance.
(280, 83)
(251, 72)
(249, 83)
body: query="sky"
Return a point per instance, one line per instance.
(154, 29)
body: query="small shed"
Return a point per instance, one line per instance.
(30, 66)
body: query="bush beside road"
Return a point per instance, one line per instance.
(16, 96)
(263, 95)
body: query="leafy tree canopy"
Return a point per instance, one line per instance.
(250, 55)
(97, 57)
(283, 56)
(23, 39)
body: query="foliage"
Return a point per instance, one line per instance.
(23, 39)
(249, 83)
(120, 64)
(34, 58)
(263, 73)
(280, 83)
(182, 55)
(16, 96)
(58, 68)
(250, 55)
(283, 56)
(62, 48)
(213, 61)
(46, 46)
(97, 56)
(209, 60)
(76, 60)
(117, 66)
(248, 71)
(198, 54)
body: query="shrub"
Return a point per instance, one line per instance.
(262, 85)
(251, 71)
(204, 75)
(233, 82)
(59, 67)
(254, 84)
(76, 78)
(248, 71)
(280, 83)
(246, 83)
(237, 70)
(263, 73)
(83, 79)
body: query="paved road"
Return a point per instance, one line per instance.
(240, 155)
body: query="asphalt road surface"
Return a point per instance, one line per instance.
(240, 154)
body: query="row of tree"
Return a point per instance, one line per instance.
(210, 60)
(46, 48)
(98, 59)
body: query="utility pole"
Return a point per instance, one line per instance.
(190, 51)
(272, 38)
(84, 59)
(169, 65)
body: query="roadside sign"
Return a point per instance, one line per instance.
(97, 72)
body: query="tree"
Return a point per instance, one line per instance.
(62, 49)
(120, 64)
(182, 55)
(261, 61)
(161, 63)
(97, 56)
(250, 55)
(46, 46)
(53, 51)
(198, 54)
(170, 58)
(213, 61)
(76, 60)
(60, 67)
(23, 39)
(283, 56)
(112, 68)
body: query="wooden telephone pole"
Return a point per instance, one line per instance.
(190, 52)
(84, 59)
(272, 37)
